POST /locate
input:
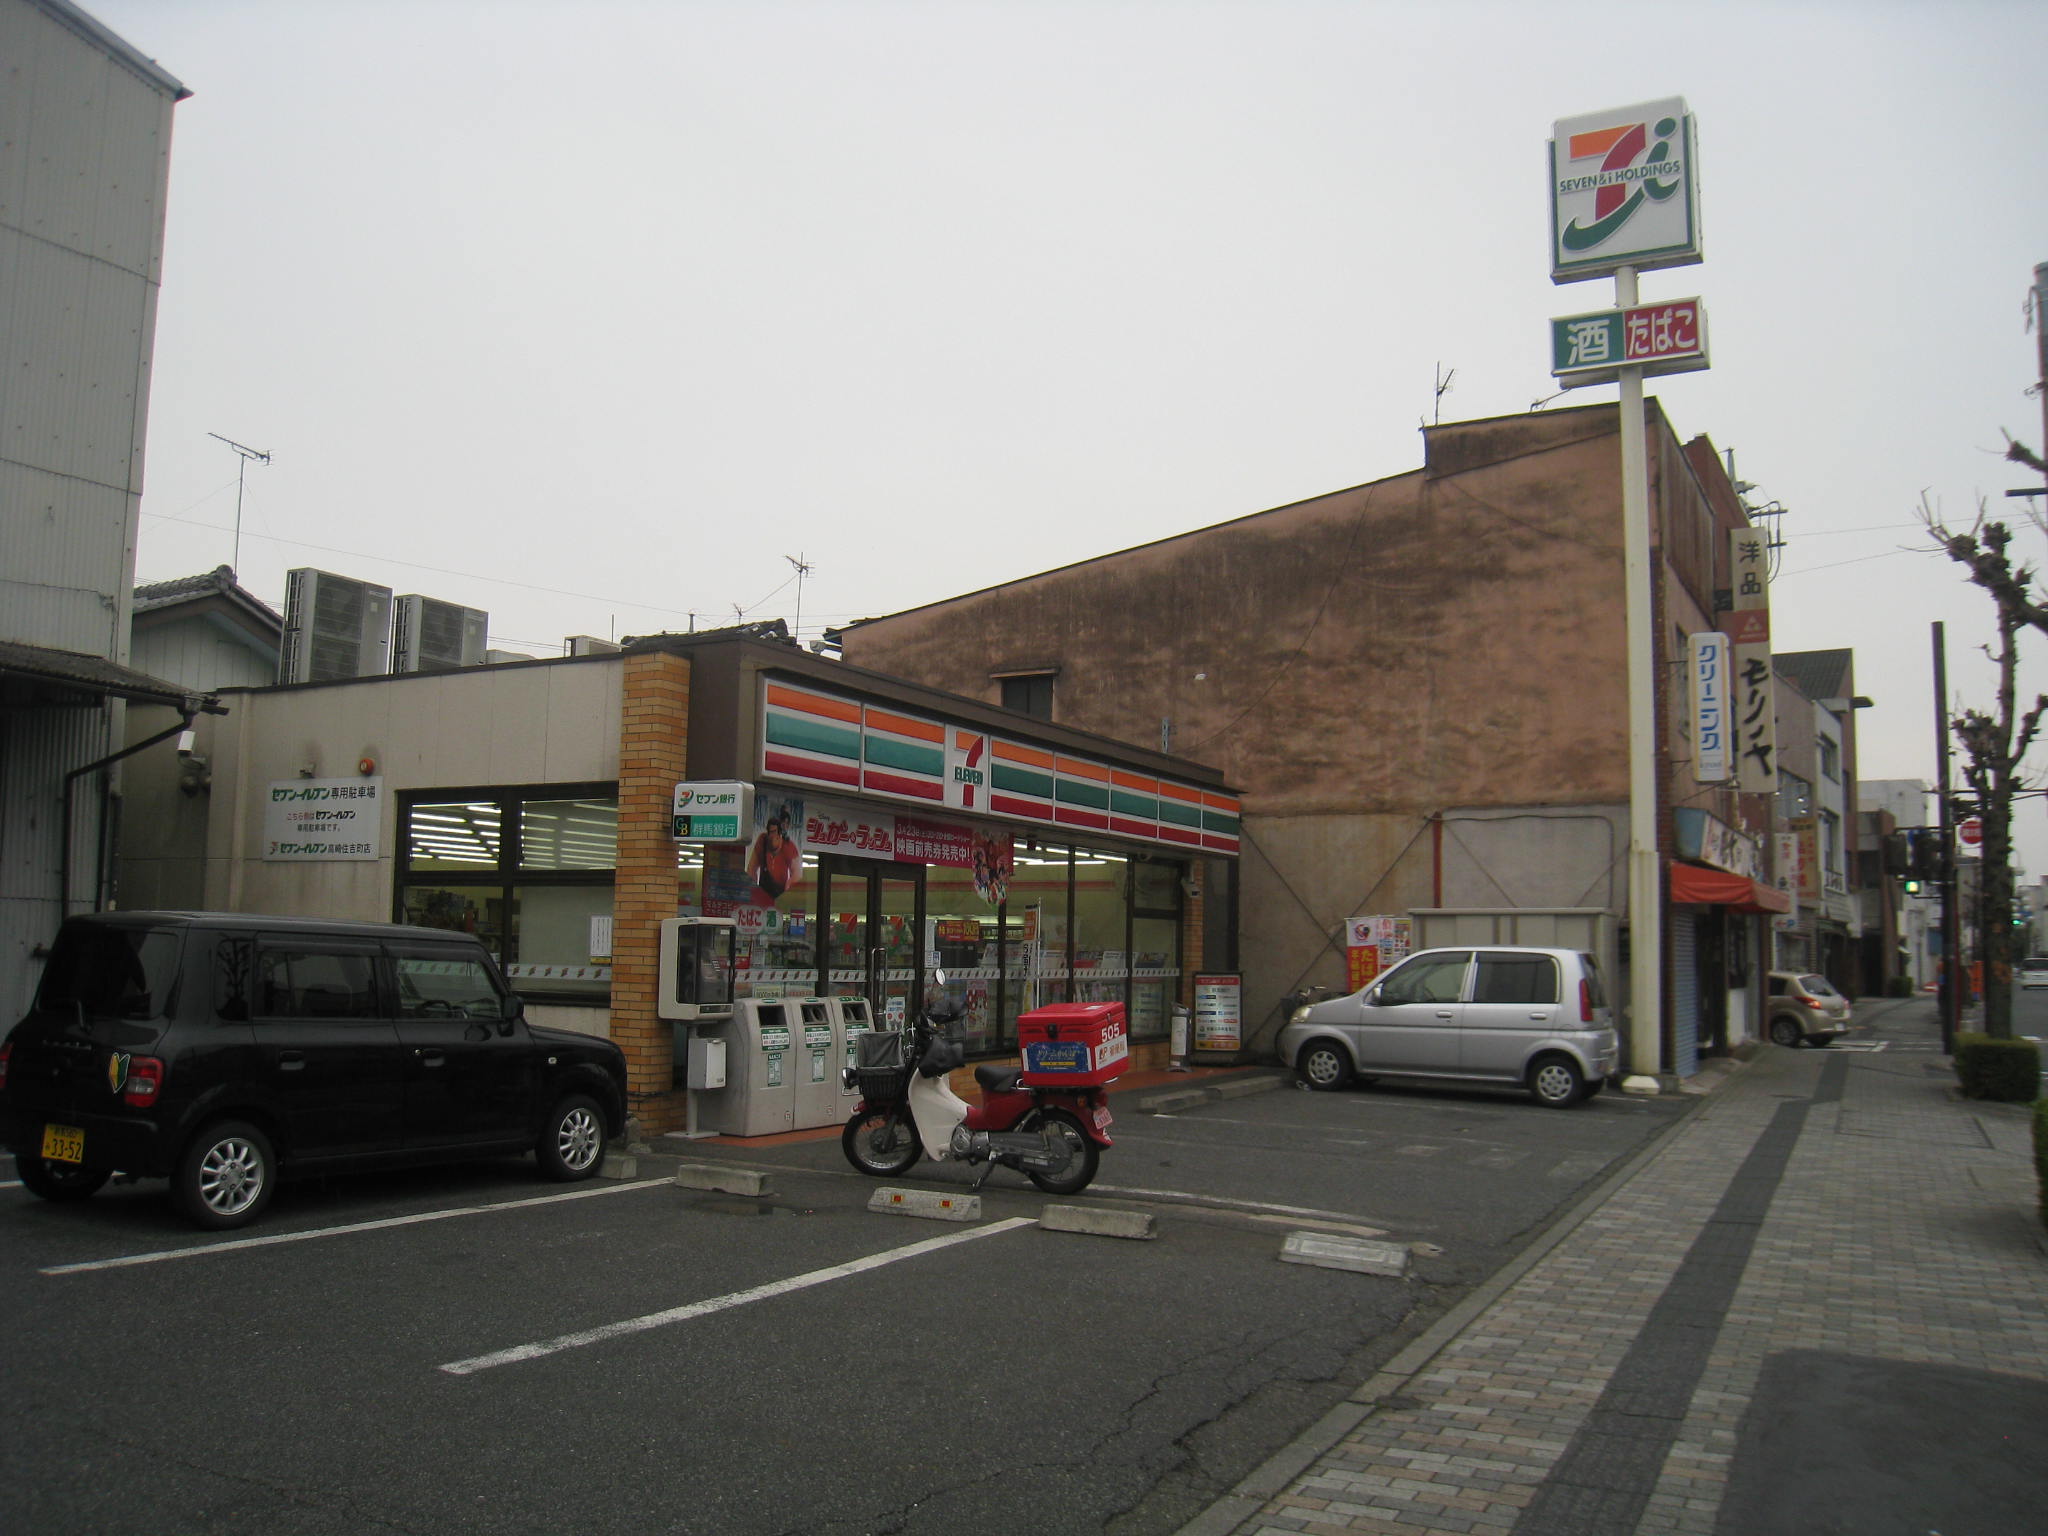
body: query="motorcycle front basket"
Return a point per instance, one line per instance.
(879, 1063)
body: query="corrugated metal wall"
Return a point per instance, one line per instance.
(84, 160)
(36, 751)
(85, 133)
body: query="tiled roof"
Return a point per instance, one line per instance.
(34, 667)
(152, 596)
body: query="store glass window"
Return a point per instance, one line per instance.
(1102, 959)
(1035, 970)
(528, 871)
(1156, 889)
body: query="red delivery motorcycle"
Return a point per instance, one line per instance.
(1049, 1119)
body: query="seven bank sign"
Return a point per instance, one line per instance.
(1624, 191)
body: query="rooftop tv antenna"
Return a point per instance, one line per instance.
(802, 570)
(247, 455)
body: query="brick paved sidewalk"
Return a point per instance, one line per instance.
(1843, 1200)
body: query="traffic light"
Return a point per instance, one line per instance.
(1913, 887)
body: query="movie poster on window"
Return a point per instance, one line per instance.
(775, 858)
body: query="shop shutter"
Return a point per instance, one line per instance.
(1685, 993)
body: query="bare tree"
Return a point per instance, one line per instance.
(1995, 743)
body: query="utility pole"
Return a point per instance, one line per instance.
(246, 455)
(2041, 350)
(1951, 899)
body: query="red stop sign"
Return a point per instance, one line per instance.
(1970, 833)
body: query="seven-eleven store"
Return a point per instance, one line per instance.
(1032, 863)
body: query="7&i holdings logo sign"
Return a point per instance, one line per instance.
(1624, 191)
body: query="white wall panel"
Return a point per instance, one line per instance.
(483, 726)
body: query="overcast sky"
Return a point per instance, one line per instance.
(597, 316)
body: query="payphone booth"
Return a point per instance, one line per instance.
(699, 964)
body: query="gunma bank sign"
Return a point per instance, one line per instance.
(1624, 191)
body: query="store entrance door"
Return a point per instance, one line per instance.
(872, 938)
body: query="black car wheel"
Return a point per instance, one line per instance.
(226, 1176)
(59, 1181)
(572, 1143)
(1785, 1031)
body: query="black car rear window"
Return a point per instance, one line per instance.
(125, 973)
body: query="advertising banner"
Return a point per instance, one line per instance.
(833, 826)
(1219, 1013)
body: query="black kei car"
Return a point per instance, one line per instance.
(221, 1050)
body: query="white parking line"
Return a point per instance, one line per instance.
(207, 1249)
(683, 1314)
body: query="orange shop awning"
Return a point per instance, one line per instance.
(1697, 885)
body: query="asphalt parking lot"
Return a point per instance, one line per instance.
(469, 1349)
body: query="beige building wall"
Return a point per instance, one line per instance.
(548, 723)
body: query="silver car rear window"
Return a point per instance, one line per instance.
(1515, 979)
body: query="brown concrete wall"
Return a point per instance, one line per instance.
(653, 757)
(1438, 638)
(1360, 662)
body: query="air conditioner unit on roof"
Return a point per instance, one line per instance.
(590, 645)
(334, 627)
(428, 635)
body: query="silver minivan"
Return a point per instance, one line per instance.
(1515, 1016)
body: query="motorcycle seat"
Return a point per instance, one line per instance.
(998, 1079)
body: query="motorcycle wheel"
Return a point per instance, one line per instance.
(881, 1142)
(1084, 1156)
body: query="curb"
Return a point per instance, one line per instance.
(1166, 1101)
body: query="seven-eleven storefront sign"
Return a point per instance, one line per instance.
(1658, 338)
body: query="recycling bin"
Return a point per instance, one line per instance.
(853, 1019)
(762, 1062)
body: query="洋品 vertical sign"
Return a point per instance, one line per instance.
(1713, 739)
(1624, 191)
(1755, 697)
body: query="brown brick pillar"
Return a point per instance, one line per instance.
(654, 733)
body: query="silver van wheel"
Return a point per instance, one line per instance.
(1555, 1082)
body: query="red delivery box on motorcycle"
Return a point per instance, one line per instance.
(1074, 1045)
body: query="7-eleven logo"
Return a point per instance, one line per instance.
(1638, 161)
(966, 770)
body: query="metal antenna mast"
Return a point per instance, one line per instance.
(241, 471)
(802, 570)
